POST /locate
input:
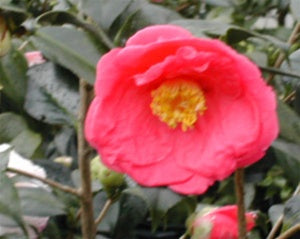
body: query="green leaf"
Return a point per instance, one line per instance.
(159, 201)
(69, 47)
(295, 9)
(275, 212)
(292, 65)
(104, 12)
(27, 142)
(150, 14)
(9, 201)
(288, 157)
(13, 67)
(292, 212)
(203, 28)
(58, 18)
(133, 209)
(14, 130)
(11, 125)
(237, 34)
(52, 94)
(4, 157)
(39, 202)
(289, 123)
(110, 220)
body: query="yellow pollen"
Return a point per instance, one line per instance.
(176, 102)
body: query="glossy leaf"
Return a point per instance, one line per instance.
(289, 123)
(133, 209)
(69, 47)
(14, 130)
(104, 12)
(292, 213)
(9, 201)
(39, 202)
(13, 67)
(52, 94)
(288, 156)
(203, 28)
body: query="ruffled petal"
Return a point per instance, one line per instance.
(195, 185)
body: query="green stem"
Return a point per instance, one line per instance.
(239, 189)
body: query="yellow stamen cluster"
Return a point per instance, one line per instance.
(176, 102)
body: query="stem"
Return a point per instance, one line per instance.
(103, 212)
(46, 181)
(239, 189)
(87, 217)
(292, 39)
(290, 232)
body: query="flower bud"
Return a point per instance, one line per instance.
(5, 38)
(110, 180)
(217, 223)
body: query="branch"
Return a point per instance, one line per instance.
(103, 212)
(292, 39)
(239, 189)
(87, 215)
(46, 181)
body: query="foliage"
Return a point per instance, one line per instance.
(39, 108)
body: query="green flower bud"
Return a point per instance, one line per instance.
(111, 181)
(5, 38)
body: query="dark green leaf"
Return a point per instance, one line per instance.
(109, 221)
(104, 12)
(58, 18)
(133, 209)
(159, 201)
(236, 34)
(203, 28)
(13, 67)
(11, 125)
(52, 94)
(150, 14)
(9, 201)
(288, 156)
(39, 202)
(71, 48)
(292, 65)
(292, 211)
(289, 123)
(14, 130)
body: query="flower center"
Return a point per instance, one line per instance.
(176, 102)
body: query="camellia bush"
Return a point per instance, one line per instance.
(135, 119)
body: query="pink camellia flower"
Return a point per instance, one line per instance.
(34, 58)
(219, 223)
(172, 109)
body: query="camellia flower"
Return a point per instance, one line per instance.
(219, 223)
(172, 109)
(16, 161)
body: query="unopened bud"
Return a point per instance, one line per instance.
(110, 180)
